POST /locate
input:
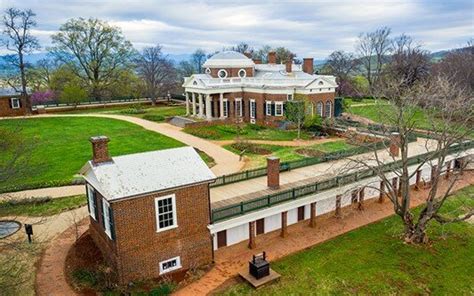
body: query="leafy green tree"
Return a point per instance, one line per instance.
(73, 93)
(95, 51)
(295, 112)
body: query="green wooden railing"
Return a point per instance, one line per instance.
(241, 208)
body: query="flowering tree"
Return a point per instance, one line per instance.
(41, 97)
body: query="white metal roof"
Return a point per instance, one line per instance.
(228, 58)
(140, 173)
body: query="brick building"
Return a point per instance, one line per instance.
(237, 88)
(149, 212)
(11, 103)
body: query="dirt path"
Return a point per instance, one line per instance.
(230, 260)
(51, 278)
(295, 143)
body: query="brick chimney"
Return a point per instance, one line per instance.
(308, 65)
(248, 54)
(394, 144)
(272, 58)
(273, 172)
(257, 61)
(288, 66)
(100, 149)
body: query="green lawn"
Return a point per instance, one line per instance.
(158, 113)
(373, 260)
(63, 146)
(286, 153)
(248, 131)
(41, 206)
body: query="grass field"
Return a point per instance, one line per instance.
(248, 131)
(62, 146)
(158, 113)
(286, 153)
(373, 260)
(41, 206)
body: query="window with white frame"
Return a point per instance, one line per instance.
(15, 103)
(222, 73)
(253, 109)
(165, 208)
(170, 265)
(225, 111)
(278, 108)
(91, 201)
(106, 218)
(238, 107)
(289, 97)
(208, 71)
(242, 73)
(268, 108)
(319, 108)
(328, 109)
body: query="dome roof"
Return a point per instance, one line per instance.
(229, 58)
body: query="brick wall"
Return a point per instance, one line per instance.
(139, 248)
(232, 72)
(6, 110)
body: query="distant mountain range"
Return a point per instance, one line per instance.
(35, 57)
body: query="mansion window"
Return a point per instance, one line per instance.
(319, 109)
(289, 97)
(238, 107)
(328, 109)
(222, 73)
(208, 71)
(268, 108)
(253, 109)
(225, 106)
(15, 103)
(278, 108)
(170, 265)
(165, 208)
(242, 73)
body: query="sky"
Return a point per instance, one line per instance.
(308, 28)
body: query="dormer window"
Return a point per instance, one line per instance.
(222, 73)
(321, 83)
(242, 73)
(208, 71)
(195, 83)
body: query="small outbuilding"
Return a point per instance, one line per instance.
(11, 103)
(149, 211)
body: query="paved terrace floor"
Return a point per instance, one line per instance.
(257, 187)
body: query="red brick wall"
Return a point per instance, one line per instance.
(140, 248)
(6, 110)
(232, 72)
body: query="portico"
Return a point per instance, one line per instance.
(200, 105)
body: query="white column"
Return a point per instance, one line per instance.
(201, 106)
(194, 104)
(208, 107)
(187, 103)
(221, 105)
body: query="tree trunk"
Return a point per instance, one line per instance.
(415, 233)
(24, 91)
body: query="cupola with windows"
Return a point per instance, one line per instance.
(229, 64)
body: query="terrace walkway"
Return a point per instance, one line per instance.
(230, 260)
(250, 189)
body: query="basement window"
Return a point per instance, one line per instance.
(170, 265)
(165, 208)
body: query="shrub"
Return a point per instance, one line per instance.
(154, 117)
(85, 278)
(256, 127)
(244, 146)
(313, 123)
(227, 128)
(203, 132)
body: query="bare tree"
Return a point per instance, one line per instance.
(460, 65)
(95, 51)
(443, 104)
(17, 29)
(198, 59)
(341, 64)
(156, 70)
(372, 49)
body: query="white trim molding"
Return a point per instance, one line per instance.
(175, 264)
